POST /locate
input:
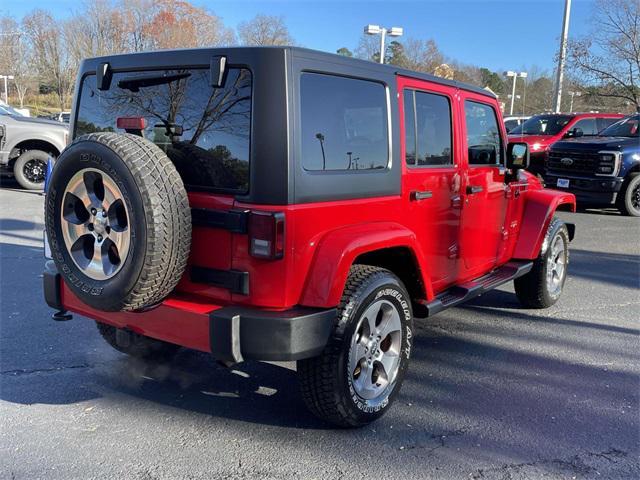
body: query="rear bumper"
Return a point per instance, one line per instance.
(591, 190)
(231, 334)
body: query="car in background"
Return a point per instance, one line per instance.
(514, 121)
(26, 144)
(601, 170)
(542, 131)
(9, 110)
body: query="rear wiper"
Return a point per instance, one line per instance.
(134, 84)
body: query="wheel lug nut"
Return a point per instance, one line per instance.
(93, 211)
(104, 213)
(99, 238)
(90, 227)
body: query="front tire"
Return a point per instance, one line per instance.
(359, 373)
(30, 168)
(542, 286)
(629, 200)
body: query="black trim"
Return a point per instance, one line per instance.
(51, 286)
(234, 280)
(233, 220)
(461, 293)
(238, 333)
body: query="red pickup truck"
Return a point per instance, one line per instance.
(286, 204)
(542, 131)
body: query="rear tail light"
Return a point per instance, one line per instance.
(266, 235)
(131, 123)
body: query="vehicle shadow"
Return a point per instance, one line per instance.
(610, 268)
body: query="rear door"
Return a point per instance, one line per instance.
(484, 190)
(431, 179)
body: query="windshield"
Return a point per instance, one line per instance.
(7, 110)
(542, 125)
(627, 127)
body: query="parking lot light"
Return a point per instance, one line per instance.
(515, 75)
(382, 31)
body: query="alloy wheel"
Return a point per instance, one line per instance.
(374, 355)
(34, 170)
(556, 265)
(95, 224)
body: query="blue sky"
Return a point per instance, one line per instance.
(500, 35)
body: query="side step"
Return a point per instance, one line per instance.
(461, 293)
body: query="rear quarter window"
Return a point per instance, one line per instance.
(344, 123)
(205, 131)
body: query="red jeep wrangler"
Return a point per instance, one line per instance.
(285, 204)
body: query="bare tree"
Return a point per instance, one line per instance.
(98, 29)
(50, 55)
(368, 48)
(265, 30)
(16, 57)
(610, 57)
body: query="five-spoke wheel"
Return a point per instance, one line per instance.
(95, 224)
(374, 356)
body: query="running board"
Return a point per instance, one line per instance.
(461, 293)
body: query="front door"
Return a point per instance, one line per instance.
(431, 179)
(484, 194)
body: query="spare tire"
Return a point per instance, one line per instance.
(118, 221)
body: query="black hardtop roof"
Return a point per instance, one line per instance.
(130, 58)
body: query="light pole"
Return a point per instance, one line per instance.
(515, 75)
(576, 94)
(378, 30)
(562, 55)
(6, 95)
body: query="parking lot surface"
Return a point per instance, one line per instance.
(493, 390)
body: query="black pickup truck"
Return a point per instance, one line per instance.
(601, 170)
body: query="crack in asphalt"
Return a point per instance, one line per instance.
(23, 371)
(575, 463)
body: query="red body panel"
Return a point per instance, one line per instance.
(180, 320)
(539, 210)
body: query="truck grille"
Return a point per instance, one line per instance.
(581, 162)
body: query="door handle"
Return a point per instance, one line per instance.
(418, 195)
(472, 189)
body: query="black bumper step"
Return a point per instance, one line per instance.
(461, 293)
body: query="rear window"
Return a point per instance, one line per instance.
(344, 123)
(205, 131)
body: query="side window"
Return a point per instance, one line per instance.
(603, 123)
(344, 123)
(483, 134)
(430, 117)
(587, 125)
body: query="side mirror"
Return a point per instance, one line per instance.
(574, 133)
(517, 156)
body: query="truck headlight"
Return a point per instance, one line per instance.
(608, 163)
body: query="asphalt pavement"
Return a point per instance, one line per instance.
(493, 391)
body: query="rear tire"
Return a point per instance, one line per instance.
(542, 286)
(138, 345)
(30, 168)
(358, 375)
(629, 199)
